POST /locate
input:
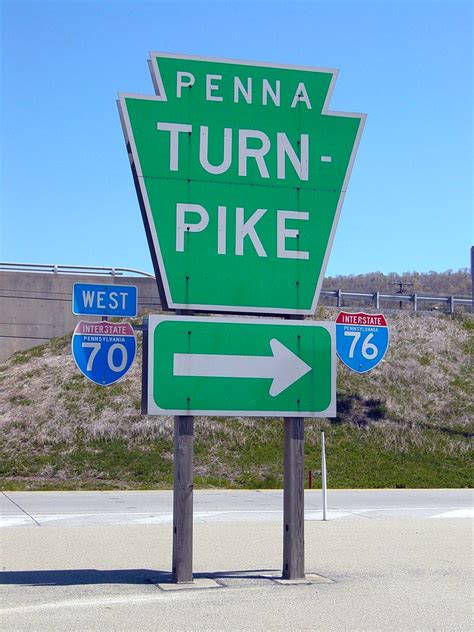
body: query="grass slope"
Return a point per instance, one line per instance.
(407, 423)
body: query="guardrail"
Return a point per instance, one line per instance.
(375, 297)
(64, 269)
(414, 299)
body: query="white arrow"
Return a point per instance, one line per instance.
(283, 367)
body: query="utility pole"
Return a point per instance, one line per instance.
(402, 288)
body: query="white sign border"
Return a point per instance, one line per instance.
(149, 224)
(111, 315)
(362, 326)
(153, 409)
(90, 322)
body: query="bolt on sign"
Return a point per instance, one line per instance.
(240, 366)
(241, 171)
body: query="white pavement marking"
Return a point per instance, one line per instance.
(50, 509)
(257, 515)
(25, 513)
(104, 601)
(15, 521)
(148, 517)
(467, 512)
(331, 515)
(394, 509)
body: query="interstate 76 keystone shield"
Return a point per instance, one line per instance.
(361, 340)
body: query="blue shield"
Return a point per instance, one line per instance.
(103, 352)
(361, 340)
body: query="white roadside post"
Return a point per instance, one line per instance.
(324, 479)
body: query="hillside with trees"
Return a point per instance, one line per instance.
(455, 282)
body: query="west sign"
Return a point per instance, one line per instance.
(241, 172)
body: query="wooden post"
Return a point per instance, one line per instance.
(183, 499)
(293, 499)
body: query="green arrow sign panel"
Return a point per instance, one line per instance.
(240, 366)
(240, 170)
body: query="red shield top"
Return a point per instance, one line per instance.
(361, 318)
(103, 328)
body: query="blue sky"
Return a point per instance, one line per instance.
(67, 194)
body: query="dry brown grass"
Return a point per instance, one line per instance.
(46, 401)
(419, 397)
(423, 383)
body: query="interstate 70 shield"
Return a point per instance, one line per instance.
(361, 340)
(103, 352)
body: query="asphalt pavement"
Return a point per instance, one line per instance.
(386, 560)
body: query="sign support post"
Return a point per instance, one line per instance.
(183, 486)
(293, 499)
(293, 496)
(183, 499)
(269, 220)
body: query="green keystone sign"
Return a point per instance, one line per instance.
(240, 366)
(240, 171)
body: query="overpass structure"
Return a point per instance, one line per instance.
(35, 300)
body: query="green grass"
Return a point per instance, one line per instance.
(354, 459)
(95, 463)
(22, 357)
(20, 400)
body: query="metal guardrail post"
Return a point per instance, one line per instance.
(451, 304)
(339, 298)
(415, 302)
(377, 300)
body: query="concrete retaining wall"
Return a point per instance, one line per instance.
(35, 307)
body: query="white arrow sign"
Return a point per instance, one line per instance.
(283, 367)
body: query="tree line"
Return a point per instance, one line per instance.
(456, 282)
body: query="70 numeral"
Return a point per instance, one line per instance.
(95, 346)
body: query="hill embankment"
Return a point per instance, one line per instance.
(407, 423)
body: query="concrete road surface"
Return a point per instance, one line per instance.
(153, 507)
(398, 560)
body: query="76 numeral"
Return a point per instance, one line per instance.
(369, 350)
